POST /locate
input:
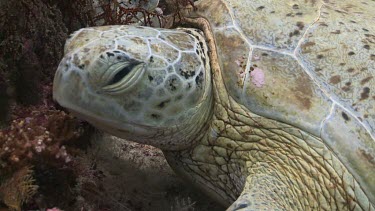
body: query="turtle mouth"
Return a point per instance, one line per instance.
(74, 93)
(107, 124)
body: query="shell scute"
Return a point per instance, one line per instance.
(275, 24)
(221, 17)
(236, 51)
(337, 52)
(288, 93)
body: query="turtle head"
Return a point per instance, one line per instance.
(148, 85)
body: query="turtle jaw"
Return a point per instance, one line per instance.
(72, 91)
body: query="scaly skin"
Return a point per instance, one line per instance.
(296, 167)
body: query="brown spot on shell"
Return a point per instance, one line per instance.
(345, 116)
(300, 25)
(306, 47)
(336, 32)
(308, 44)
(335, 79)
(345, 88)
(313, 2)
(303, 92)
(350, 70)
(294, 33)
(367, 79)
(365, 93)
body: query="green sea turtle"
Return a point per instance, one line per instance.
(261, 104)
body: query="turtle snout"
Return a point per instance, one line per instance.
(69, 85)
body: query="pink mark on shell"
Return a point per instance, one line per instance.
(257, 77)
(256, 57)
(238, 62)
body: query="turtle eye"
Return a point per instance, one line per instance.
(122, 76)
(123, 72)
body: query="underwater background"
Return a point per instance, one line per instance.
(50, 160)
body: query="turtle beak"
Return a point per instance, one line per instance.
(69, 86)
(72, 91)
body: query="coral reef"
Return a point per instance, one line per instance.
(19, 188)
(4, 100)
(43, 159)
(43, 137)
(38, 136)
(32, 37)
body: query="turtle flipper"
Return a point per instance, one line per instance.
(261, 192)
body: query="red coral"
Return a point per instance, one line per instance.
(40, 136)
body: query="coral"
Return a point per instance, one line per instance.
(175, 9)
(82, 13)
(4, 99)
(112, 13)
(39, 136)
(34, 131)
(32, 36)
(43, 137)
(18, 189)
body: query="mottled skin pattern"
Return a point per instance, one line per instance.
(303, 140)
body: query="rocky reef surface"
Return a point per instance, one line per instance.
(49, 160)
